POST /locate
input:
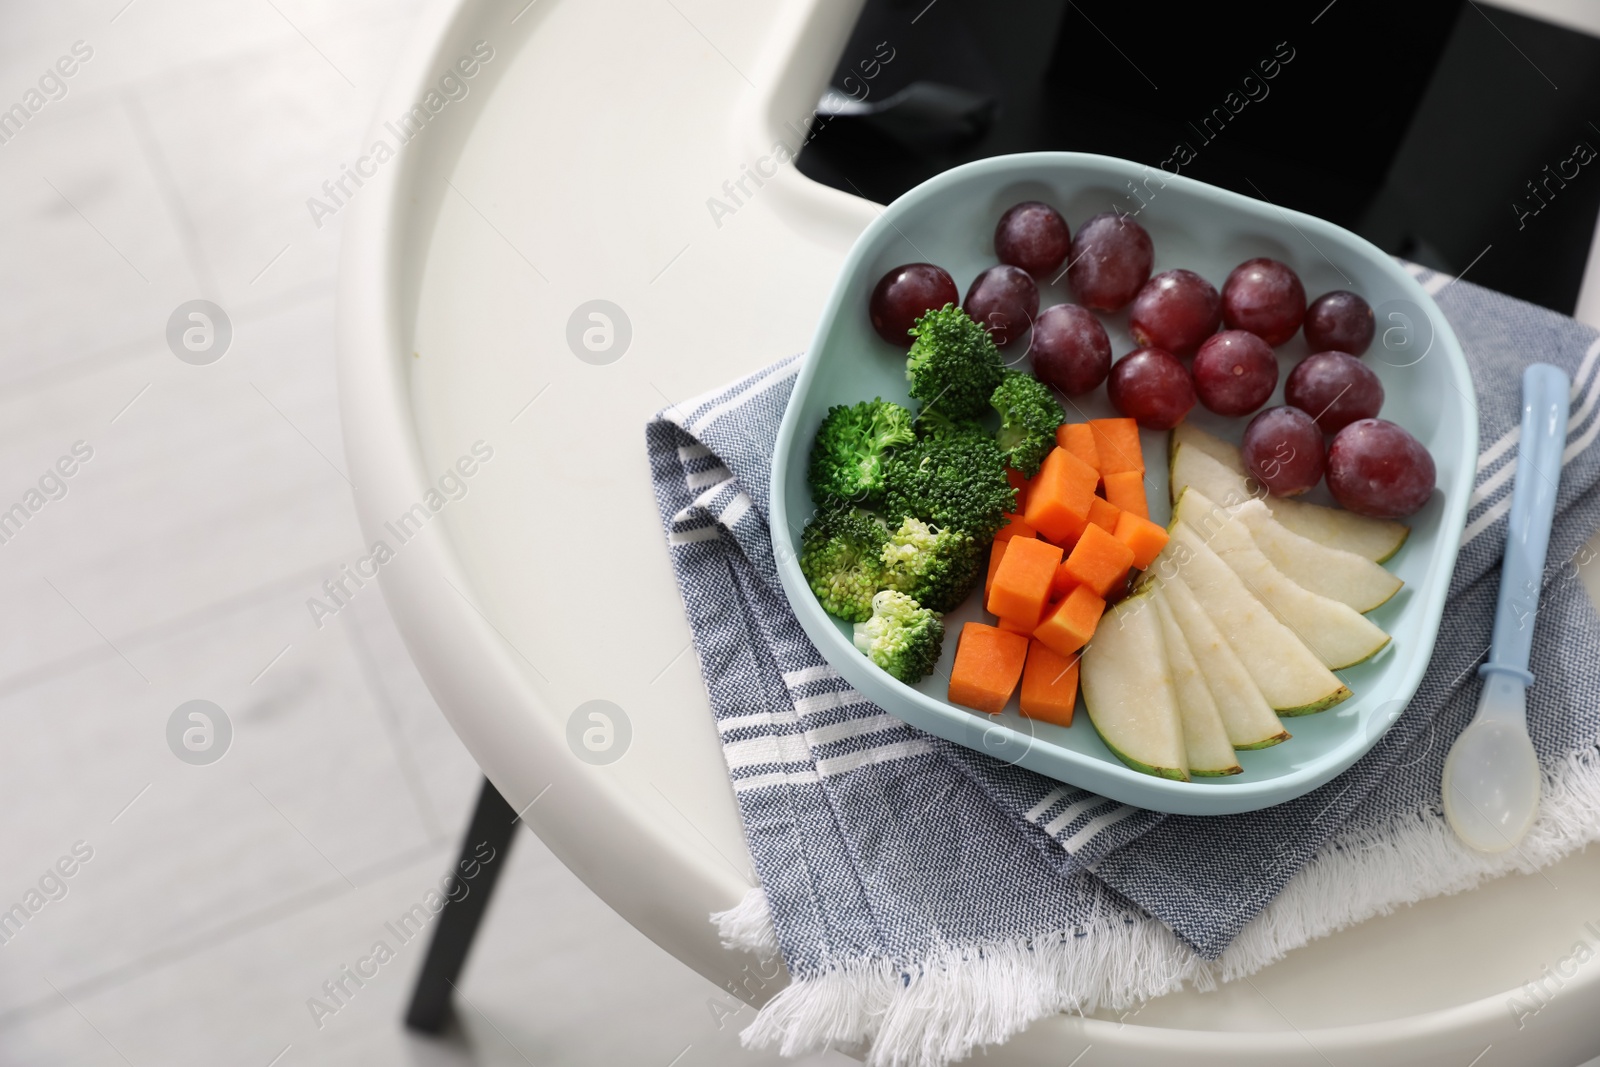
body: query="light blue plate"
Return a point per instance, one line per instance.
(949, 220)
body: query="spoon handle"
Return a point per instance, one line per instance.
(1545, 400)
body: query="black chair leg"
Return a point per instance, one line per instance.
(483, 854)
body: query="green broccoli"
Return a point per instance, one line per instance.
(935, 567)
(841, 555)
(934, 424)
(851, 444)
(901, 637)
(952, 364)
(957, 483)
(1029, 415)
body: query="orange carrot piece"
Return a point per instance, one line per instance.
(1049, 685)
(1143, 536)
(1022, 582)
(987, 668)
(1116, 442)
(1020, 484)
(1078, 438)
(1025, 627)
(1098, 561)
(996, 551)
(1061, 584)
(1126, 491)
(1069, 627)
(1104, 514)
(1016, 526)
(1060, 497)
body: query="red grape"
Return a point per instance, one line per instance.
(1283, 448)
(1340, 321)
(1335, 389)
(1264, 297)
(1175, 310)
(904, 294)
(1152, 387)
(1377, 468)
(1235, 372)
(1005, 300)
(1033, 236)
(1070, 349)
(1111, 257)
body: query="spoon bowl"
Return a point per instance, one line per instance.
(1491, 784)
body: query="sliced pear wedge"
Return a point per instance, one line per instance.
(1249, 719)
(1128, 691)
(1214, 467)
(1338, 634)
(1205, 739)
(1290, 676)
(1330, 572)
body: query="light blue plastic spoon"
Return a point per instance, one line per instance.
(1491, 777)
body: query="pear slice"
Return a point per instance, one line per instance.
(1339, 635)
(1225, 482)
(1290, 676)
(1128, 692)
(1224, 453)
(1249, 719)
(1330, 572)
(1205, 739)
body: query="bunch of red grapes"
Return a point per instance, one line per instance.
(1372, 466)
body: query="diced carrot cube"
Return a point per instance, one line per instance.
(1103, 513)
(1098, 561)
(1062, 583)
(1025, 627)
(1143, 536)
(1060, 496)
(1116, 442)
(996, 551)
(1069, 627)
(1022, 581)
(1020, 484)
(1126, 491)
(1016, 526)
(1049, 685)
(1078, 438)
(987, 667)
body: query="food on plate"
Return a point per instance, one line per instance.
(850, 450)
(1379, 469)
(905, 294)
(1175, 310)
(1151, 387)
(841, 556)
(1032, 235)
(1029, 417)
(1331, 572)
(1144, 538)
(901, 637)
(987, 667)
(1235, 372)
(1339, 635)
(1070, 349)
(1078, 438)
(1340, 321)
(1069, 624)
(1049, 685)
(1283, 449)
(1264, 297)
(1335, 389)
(935, 566)
(957, 482)
(1060, 495)
(1215, 468)
(1248, 718)
(1205, 740)
(1116, 444)
(1110, 261)
(1004, 300)
(953, 365)
(1125, 489)
(1099, 561)
(1022, 583)
(1104, 514)
(1128, 691)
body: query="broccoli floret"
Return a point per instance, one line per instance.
(851, 444)
(901, 637)
(953, 365)
(841, 555)
(935, 567)
(957, 483)
(1029, 416)
(933, 424)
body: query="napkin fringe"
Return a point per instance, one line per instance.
(961, 997)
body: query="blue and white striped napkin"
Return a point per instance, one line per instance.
(928, 899)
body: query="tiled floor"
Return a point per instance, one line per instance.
(218, 899)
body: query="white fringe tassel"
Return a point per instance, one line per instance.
(963, 997)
